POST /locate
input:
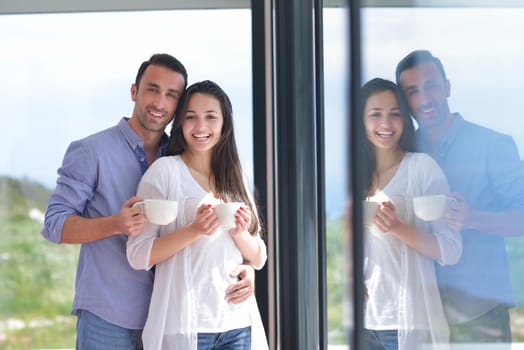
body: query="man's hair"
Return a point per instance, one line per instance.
(163, 60)
(417, 57)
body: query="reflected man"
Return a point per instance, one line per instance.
(486, 176)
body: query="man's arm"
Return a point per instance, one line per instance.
(505, 223)
(505, 172)
(78, 229)
(76, 185)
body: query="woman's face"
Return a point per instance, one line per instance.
(383, 120)
(202, 123)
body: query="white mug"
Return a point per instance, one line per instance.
(429, 208)
(369, 211)
(159, 211)
(226, 213)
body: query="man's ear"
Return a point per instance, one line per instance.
(448, 88)
(134, 91)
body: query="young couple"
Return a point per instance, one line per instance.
(201, 295)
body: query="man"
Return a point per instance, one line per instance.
(487, 179)
(92, 205)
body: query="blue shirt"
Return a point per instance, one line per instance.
(484, 166)
(98, 174)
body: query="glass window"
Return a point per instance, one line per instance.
(468, 123)
(336, 69)
(66, 76)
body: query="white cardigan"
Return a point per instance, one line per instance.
(199, 271)
(414, 306)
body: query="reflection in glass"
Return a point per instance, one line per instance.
(335, 114)
(464, 114)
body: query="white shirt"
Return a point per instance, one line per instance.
(189, 288)
(401, 283)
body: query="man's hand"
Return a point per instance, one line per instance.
(244, 288)
(131, 220)
(458, 212)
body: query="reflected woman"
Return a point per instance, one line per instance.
(403, 308)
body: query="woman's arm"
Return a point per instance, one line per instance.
(168, 245)
(249, 245)
(425, 243)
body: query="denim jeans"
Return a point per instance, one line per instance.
(236, 339)
(381, 340)
(93, 333)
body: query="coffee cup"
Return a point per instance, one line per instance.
(369, 211)
(226, 213)
(429, 208)
(159, 211)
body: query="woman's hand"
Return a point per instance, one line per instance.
(386, 218)
(206, 221)
(242, 220)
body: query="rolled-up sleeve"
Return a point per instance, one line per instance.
(139, 248)
(263, 251)
(74, 187)
(449, 240)
(260, 241)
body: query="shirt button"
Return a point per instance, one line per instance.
(141, 159)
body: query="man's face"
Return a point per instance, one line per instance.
(426, 92)
(157, 97)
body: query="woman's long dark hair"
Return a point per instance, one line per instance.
(225, 164)
(407, 139)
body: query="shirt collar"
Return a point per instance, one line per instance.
(457, 123)
(130, 135)
(164, 142)
(135, 141)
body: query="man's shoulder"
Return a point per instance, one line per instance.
(483, 131)
(99, 138)
(484, 140)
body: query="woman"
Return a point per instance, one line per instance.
(403, 308)
(194, 255)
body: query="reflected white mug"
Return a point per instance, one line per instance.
(159, 211)
(429, 208)
(369, 211)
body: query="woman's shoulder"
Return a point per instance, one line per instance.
(423, 164)
(167, 161)
(165, 164)
(420, 158)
